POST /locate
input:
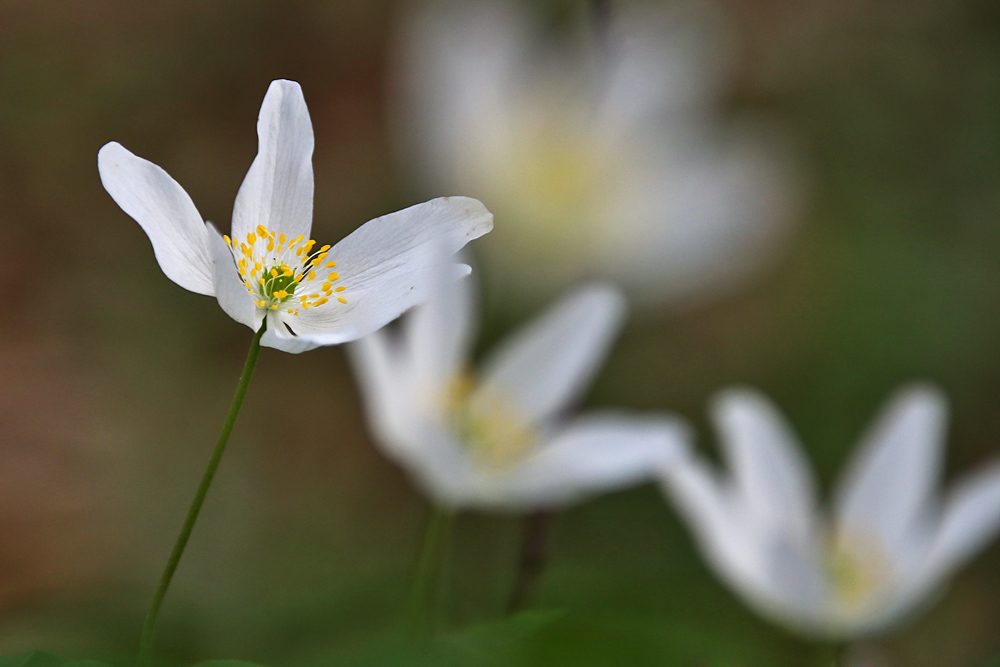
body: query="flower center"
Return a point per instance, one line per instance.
(489, 426)
(857, 570)
(285, 274)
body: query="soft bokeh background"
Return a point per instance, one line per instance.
(115, 380)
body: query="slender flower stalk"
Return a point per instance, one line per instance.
(427, 575)
(535, 545)
(149, 628)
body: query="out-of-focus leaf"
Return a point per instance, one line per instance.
(499, 642)
(227, 663)
(45, 659)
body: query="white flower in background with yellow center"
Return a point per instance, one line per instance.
(885, 547)
(310, 295)
(604, 151)
(502, 439)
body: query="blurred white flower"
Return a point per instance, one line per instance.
(310, 296)
(604, 154)
(885, 547)
(498, 441)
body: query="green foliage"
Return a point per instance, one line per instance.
(44, 659)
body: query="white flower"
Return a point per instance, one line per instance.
(499, 441)
(883, 549)
(603, 155)
(311, 296)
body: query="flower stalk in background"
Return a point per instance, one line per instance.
(605, 153)
(860, 569)
(267, 276)
(499, 440)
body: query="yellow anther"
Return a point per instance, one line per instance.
(326, 286)
(330, 265)
(310, 243)
(243, 271)
(341, 299)
(299, 277)
(270, 245)
(274, 274)
(333, 276)
(229, 241)
(298, 253)
(324, 248)
(321, 301)
(261, 231)
(298, 239)
(316, 261)
(314, 296)
(274, 307)
(303, 298)
(257, 266)
(286, 273)
(245, 249)
(251, 238)
(340, 289)
(329, 292)
(281, 237)
(261, 280)
(281, 294)
(312, 275)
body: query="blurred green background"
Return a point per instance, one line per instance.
(114, 381)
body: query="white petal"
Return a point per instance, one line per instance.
(664, 63)
(886, 489)
(711, 514)
(382, 265)
(547, 364)
(229, 289)
(458, 66)
(165, 213)
(595, 453)
(285, 344)
(278, 189)
(771, 570)
(437, 334)
(970, 519)
(383, 379)
(771, 478)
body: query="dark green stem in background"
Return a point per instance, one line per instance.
(532, 561)
(145, 648)
(831, 654)
(420, 613)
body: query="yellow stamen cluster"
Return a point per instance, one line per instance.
(275, 269)
(489, 426)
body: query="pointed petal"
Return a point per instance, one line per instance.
(774, 571)
(165, 213)
(437, 334)
(709, 510)
(229, 290)
(770, 475)
(970, 519)
(887, 487)
(595, 453)
(278, 189)
(548, 364)
(382, 266)
(383, 379)
(285, 344)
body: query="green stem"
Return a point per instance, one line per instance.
(145, 648)
(422, 595)
(532, 561)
